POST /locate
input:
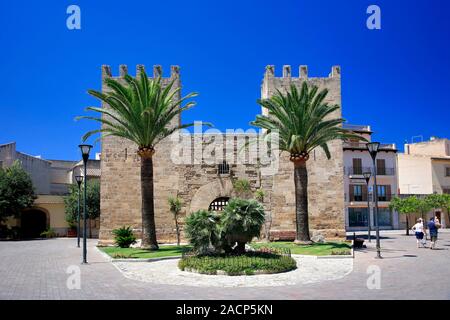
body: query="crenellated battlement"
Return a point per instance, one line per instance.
(157, 71)
(302, 72)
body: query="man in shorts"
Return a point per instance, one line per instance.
(433, 226)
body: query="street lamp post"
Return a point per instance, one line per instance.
(79, 180)
(373, 147)
(367, 178)
(85, 149)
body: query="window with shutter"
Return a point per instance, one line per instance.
(357, 166)
(356, 193)
(381, 167)
(382, 192)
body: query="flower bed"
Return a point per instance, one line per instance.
(250, 263)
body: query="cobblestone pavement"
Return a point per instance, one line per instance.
(38, 270)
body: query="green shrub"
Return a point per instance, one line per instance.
(241, 221)
(259, 195)
(12, 233)
(247, 264)
(242, 186)
(203, 230)
(124, 237)
(49, 233)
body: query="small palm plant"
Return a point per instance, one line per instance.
(175, 208)
(141, 111)
(303, 122)
(124, 237)
(241, 221)
(203, 230)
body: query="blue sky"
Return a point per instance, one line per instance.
(396, 79)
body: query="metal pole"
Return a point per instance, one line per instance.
(368, 212)
(375, 193)
(79, 218)
(85, 215)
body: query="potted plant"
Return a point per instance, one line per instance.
(72, 230)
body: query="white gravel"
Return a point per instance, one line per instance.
(309, 270)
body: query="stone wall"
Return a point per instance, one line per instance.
(197, 182)
(326, 187)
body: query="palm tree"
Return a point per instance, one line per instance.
(141, 111)
(175, 207)
(303, 122)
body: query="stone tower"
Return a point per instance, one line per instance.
(326, 177)
(120, 199)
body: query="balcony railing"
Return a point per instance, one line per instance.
(363, 198)
(360, 170)
(386, 197)
(362, 146)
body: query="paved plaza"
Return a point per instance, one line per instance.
(39, 269)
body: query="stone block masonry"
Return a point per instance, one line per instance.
(199, 183)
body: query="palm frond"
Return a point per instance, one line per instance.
(138, 109)
(303, 120)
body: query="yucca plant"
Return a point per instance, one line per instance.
(303, 121)
(175, 208)
(141, 110)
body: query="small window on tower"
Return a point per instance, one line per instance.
(224, 168)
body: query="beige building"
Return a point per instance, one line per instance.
(51, 179)
(424, 168)
(357, 161)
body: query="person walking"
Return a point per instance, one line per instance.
(433, 226)
(420, 232)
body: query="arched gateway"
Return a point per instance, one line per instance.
(33, 222)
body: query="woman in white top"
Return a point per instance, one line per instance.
(419, 230)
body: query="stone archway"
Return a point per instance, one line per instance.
(222, 187)
(33, 222)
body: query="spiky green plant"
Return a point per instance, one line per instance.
(141, 110)
(202, 229)
(175, 208)
(303, 121)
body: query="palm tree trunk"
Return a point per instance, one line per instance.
(148, 208)
(177, 227)
(407, 225)
(301, 202)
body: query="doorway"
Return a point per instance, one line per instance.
(33, 223)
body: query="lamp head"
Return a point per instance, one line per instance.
(367, 176)
(79, 180)
(85, 149)
(373, 147)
